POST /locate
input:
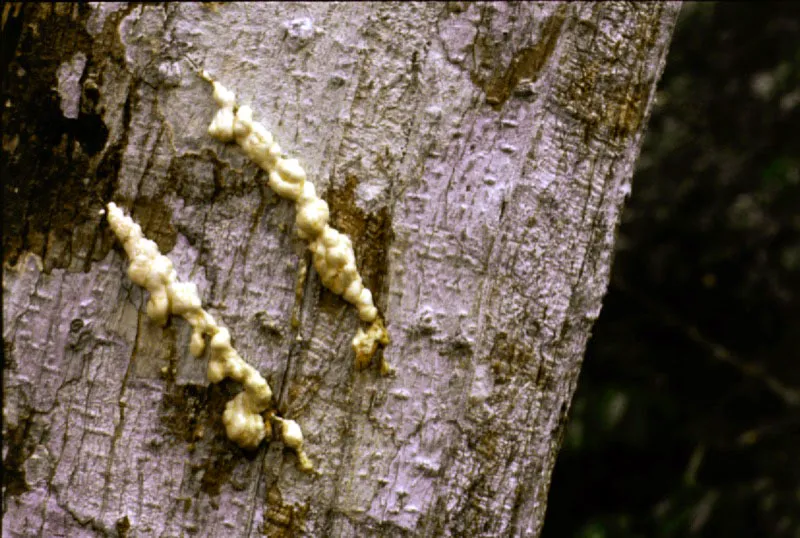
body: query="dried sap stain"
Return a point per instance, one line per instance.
(302, 387)
(371, 234)
(187, 410)
(498, 82)
(155, 218)
(619, 109)
(195, 176)
(282, 520)
(123, 526)
(186, 407)
(616, 113)
(510, 357)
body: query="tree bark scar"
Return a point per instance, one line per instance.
(50, 162)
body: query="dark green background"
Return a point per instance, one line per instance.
(686, 421)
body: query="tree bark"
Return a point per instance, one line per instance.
(477, 154)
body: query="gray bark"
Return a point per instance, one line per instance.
(477, 154)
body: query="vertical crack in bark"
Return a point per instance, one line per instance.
(118, 428)
(303, 289)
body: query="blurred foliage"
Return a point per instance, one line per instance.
(686, 421)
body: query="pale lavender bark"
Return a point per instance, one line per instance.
(478, 155)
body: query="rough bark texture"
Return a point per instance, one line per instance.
(477, 154)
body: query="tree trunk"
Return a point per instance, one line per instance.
(478, 155)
